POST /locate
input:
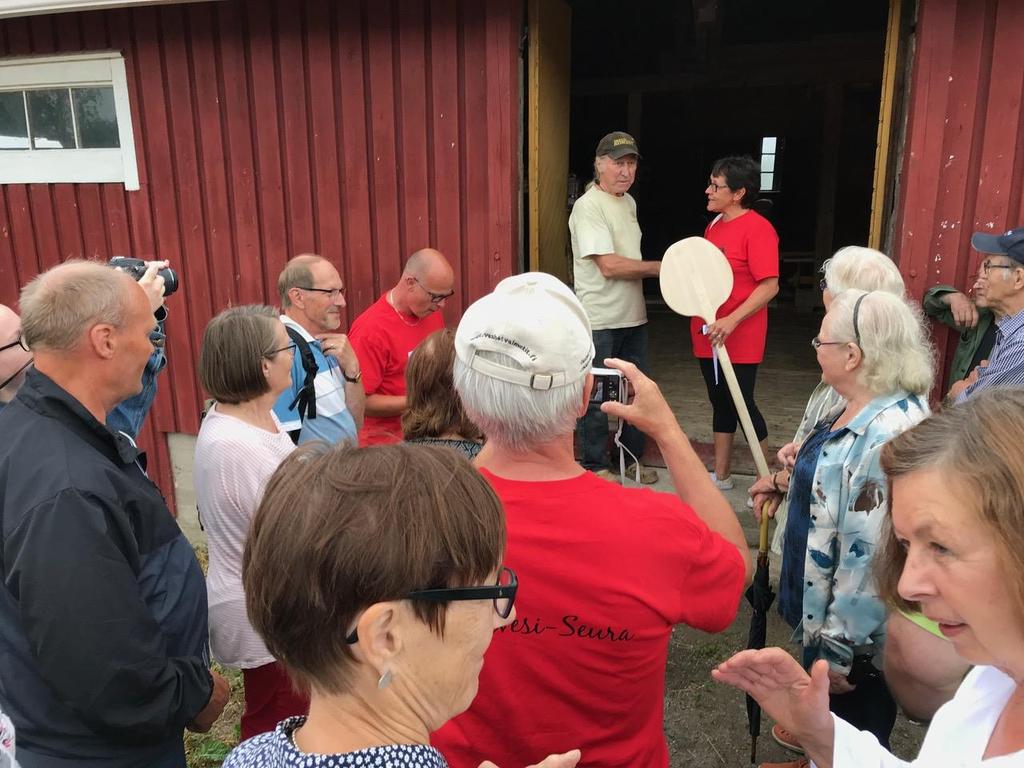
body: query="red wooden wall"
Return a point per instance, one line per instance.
(963, 168)
(361, 130)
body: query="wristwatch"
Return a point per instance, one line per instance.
(352, 379)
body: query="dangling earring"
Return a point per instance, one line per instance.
(384, 681)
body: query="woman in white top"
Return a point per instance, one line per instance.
(245, 364)
(953, 549)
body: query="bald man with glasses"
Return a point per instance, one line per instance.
(389, 330)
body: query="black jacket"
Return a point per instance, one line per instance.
(103, 625)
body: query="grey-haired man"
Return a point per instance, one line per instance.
(608, 273)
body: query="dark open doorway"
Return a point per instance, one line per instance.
(795, 83)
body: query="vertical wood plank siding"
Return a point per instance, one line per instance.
(268, 128)
(963, 167)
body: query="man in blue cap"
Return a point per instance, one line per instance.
(1001, 285)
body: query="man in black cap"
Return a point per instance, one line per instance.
(608, 273)
(1001, 285)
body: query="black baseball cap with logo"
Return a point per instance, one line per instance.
(617, 144)
(1009, 244)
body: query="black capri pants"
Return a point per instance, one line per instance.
(724, 417)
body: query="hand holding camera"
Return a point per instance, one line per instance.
(648, 411)
(157, 279)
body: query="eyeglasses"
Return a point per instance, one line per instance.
(435, 298)
(717, 187)
(816, 342)
(987, 265)
(334, 293)
(290, 348)
(18, 342)
(503, 594)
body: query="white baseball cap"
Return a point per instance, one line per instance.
(535, 319)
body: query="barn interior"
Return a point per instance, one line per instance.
(796, 84)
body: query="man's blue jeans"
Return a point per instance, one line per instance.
(626, 344)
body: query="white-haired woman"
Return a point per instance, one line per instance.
(852, 267)
(952, 548)
(873, 351)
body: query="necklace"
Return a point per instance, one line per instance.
(401, 315)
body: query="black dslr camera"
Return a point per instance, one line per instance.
(137, 268)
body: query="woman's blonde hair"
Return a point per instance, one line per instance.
(976, 447)
(897, 353)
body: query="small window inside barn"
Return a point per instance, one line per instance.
(66, 119)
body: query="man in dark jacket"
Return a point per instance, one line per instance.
(103, 628)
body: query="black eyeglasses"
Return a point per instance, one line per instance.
(503, 594)
(289, 348)
(334, 292)
(435, 298)
(987, 265)
(18, 342)
(717, 187)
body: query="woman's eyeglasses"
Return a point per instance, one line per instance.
(816, 342)
(503, 594)
(289, 348)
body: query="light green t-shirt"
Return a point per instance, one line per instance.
(601, 223)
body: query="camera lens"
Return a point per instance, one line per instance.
(170, 280)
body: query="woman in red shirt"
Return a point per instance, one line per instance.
(751, 245)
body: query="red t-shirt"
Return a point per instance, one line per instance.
(604, 573)
(383, 340)
(751, 245)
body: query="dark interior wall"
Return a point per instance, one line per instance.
(724, 103)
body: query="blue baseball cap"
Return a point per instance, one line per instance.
(1009, 243)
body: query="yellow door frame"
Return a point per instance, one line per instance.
(887, 110)
(547, 128)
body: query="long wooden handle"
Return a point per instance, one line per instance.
(741, 410)
(748, 431)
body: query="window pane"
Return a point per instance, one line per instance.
(766, 181)
(767, 162)
(49, 114)
(13, 128)
(97, 121)
(768, 145)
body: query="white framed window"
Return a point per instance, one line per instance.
(770, 149)
(66, 119)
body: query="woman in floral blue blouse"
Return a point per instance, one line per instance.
(374, 575)
(873, 351)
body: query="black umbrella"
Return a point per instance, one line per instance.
(760, 596)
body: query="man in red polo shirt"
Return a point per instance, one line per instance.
(389, 330)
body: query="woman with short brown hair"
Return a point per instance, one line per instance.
(375, 575)
(244, 364)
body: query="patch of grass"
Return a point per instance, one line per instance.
(208, 750)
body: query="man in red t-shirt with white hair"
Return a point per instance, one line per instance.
(605, 571)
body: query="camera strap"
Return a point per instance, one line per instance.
(623, 450)
(305, 400)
